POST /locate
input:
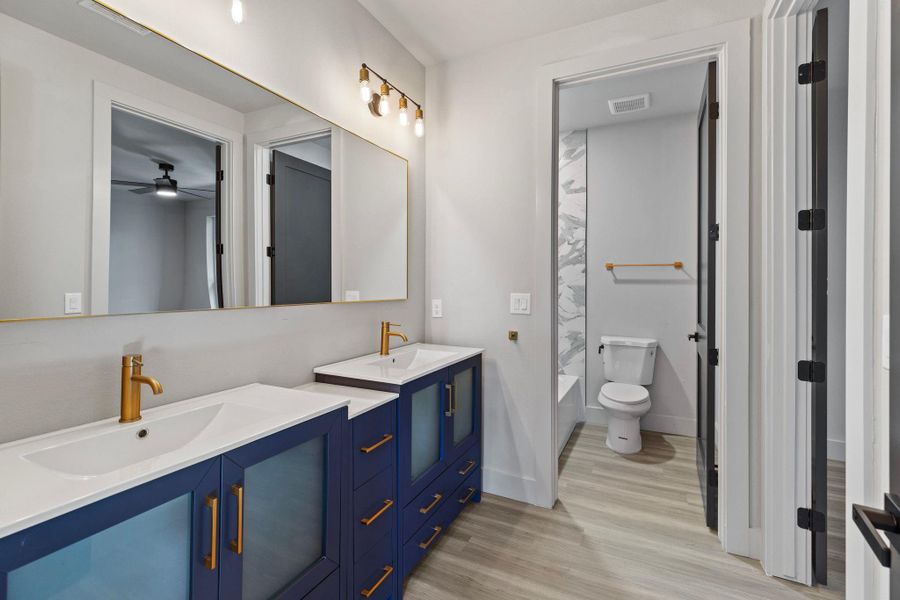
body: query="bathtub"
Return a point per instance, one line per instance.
(570, 410)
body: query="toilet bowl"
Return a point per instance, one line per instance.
(625, 404)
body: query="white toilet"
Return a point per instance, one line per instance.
(628, 366)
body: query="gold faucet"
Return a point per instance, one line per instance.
(132, 378)
(386, 334)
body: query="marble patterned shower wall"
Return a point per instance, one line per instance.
(572, 254)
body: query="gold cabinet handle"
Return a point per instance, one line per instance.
(427, 509)
(468, 496)
(437, 531)
(384, 440)
(369, 520)
(210, 560)
(237, 544)
(451, 400)
(388, 569)
(465, 471)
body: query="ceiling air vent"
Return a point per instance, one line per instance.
(113, 16)
(629, 104)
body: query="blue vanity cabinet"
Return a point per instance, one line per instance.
(157, 540)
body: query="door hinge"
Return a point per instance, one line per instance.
(811, 520)
(270, 179)
(714, 357)
(220, 175)
(713, 111)
(812, 72)
(814, 219)
(712, 478)
(220, 249)
(714, 233)
(811, 371)
(270, 251)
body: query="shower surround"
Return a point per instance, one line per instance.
(572, 256)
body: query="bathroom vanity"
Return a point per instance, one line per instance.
(437, 447)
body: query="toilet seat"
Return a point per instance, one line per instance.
(624, 393)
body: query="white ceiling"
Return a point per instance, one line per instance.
(673, 91)
(438, 30)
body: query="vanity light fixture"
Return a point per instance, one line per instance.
(237, 11)
(380, 103)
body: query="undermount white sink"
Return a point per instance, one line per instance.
(404, 364)
(58, 472)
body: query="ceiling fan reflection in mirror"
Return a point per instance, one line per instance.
(165, 186)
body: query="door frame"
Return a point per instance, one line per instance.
(729, 45)
(786, 475)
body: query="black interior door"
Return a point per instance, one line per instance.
(300, 214)
(705, 336)
(220, 248)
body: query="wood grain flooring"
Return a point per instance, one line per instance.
(624, 528)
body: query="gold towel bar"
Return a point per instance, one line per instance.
(677, 265)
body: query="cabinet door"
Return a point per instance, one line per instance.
(464, 406)
(154, 541)
(421, 433)
(281, 511)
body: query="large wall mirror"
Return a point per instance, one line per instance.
(137, 176)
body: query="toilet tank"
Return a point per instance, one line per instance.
(628, 360)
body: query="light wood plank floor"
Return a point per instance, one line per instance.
(624, 528)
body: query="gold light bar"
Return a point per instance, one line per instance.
(675, 265)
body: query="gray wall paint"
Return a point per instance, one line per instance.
(60, 373)
(642, 207)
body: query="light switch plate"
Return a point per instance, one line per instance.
(437, 308)
(73, 303)
(519, 304)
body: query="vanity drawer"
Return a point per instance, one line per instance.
(468, 492)
(374, 512)
(469, 462)
(426, 538)
(426, 505)
(375, 574)
(374, 443)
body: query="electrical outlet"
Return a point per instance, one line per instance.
(520, 304)
(73, 303)
(437, 308)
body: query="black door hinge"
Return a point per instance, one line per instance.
(220, 175)
(270, 251)
(714, 233)
(811, 520)
(712, 477)
(811, 371)
(814, 219)
(714, 357)
(713, 111)
(812, 72)
(270, 179)
(220, 249)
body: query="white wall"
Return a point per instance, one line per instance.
(642, 207)
(481, 187)
(60, 373)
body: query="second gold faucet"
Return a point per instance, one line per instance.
(132, 378)
(386, 334)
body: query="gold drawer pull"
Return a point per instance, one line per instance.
(237, 544)
(437, 531)
(388, 569)
(468, 467)
(210, 560)
(384, 440)
(369, 520)
(468, 496)
(427, 509)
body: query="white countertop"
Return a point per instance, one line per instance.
(361, 399)
(44, 478)
(404, 364)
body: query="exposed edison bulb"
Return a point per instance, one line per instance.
(420, 123)
(384, 105)
(365, 92)
(404, 112)
(237, 11)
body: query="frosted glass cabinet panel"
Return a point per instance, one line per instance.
(425, 438)
(463, 405)
(146, 557)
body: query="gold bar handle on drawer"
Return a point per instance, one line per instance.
(366, 593)
(384, 440)
(465, 471)
(437, 531)
(451, 400)
(427, 509)
(468, 496)
(237, 544)
(211, 559)
(369, 520)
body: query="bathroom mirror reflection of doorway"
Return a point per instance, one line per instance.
(636, 269)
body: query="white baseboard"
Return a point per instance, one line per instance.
(836, 450)
(650, 422)
(515, 487)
